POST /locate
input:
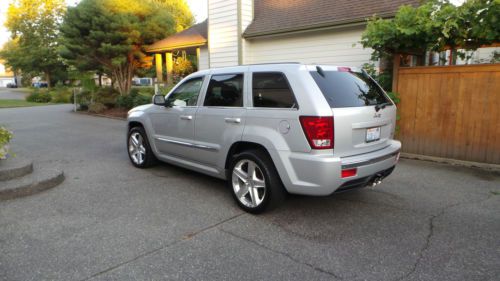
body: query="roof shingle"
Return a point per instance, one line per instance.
(195, 35)
(278, 16)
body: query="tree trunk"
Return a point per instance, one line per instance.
(453, 57)
(123, 78)
(47, 77)
(100, 80)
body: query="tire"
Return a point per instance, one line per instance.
(139, 151)
(247, 190)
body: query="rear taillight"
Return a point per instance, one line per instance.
(318, 131)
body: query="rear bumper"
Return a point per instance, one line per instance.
(320, 174)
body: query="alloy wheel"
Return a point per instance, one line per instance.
(249, 184)
(136, 148)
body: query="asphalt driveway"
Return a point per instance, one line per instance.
(110, 221)
(12, 94)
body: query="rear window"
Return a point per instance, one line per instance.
(348, 89)
(270, 89)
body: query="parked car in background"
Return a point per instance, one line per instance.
(142, 81)
(40, 85)
(12, 85)
(272, 129)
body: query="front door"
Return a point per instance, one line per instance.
(174, 124)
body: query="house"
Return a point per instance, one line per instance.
(6, 76)
(262, 31)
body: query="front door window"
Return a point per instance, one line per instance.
(186, 94)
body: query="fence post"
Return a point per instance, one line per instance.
(74, 99)
(395, 71)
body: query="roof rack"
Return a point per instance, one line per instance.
(291, 62)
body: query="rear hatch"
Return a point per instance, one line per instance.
(364, 116)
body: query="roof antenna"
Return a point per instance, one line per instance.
(320, 71)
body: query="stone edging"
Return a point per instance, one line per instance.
(470, 164)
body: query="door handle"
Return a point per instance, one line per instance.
(186, 117)
(233, 120)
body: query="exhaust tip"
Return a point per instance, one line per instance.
(377, 180)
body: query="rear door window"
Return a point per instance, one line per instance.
(225, 90)
(348, 89)
(271, 89)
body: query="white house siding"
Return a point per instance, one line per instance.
(6, 80)
(203, 63)
(481, 55)
(333, 47)
(246, 18)
(223, 32)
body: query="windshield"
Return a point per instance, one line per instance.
(349, 89)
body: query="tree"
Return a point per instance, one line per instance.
(434, 26)
(180, 12)
(34, 25)
(111, 34)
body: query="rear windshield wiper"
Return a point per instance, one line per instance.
(382, 105)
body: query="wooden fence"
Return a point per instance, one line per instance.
(450, 111)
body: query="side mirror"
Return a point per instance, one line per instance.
(159, 100)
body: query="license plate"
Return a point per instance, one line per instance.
(372, 134)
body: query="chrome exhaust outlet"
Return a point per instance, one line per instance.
(377, 180)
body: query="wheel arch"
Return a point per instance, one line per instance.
(133, 124)
(241, 146)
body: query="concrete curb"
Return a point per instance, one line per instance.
(484, 166)
(34, 183)
(15, 168)
(99, 115)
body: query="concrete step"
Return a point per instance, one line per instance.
(14, 168)
(41, 179)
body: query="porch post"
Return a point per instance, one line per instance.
(198, 57)
(159, 68)
(170, 66)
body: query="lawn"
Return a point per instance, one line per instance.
(19, 103)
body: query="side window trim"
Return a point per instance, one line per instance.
(250, 94)
(209, 78)
(203, 78)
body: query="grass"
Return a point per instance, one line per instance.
(19, 103)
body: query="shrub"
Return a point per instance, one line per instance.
(182, 68)
(39, 96)
(125, 101)
(141, 100)
(394, 97)
(107, 96)
(62, 95)
(97, 107)
(83, 98)
(5, 137)
(133, 99)
(147, 91)
(88, 83)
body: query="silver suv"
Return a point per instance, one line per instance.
(271, 129)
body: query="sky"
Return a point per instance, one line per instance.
(198, 8)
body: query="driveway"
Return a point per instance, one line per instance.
(13, 94)
(110, 221)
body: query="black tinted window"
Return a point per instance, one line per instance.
(348, 89)
(272, 90)
(187, 93)
(225, 90)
